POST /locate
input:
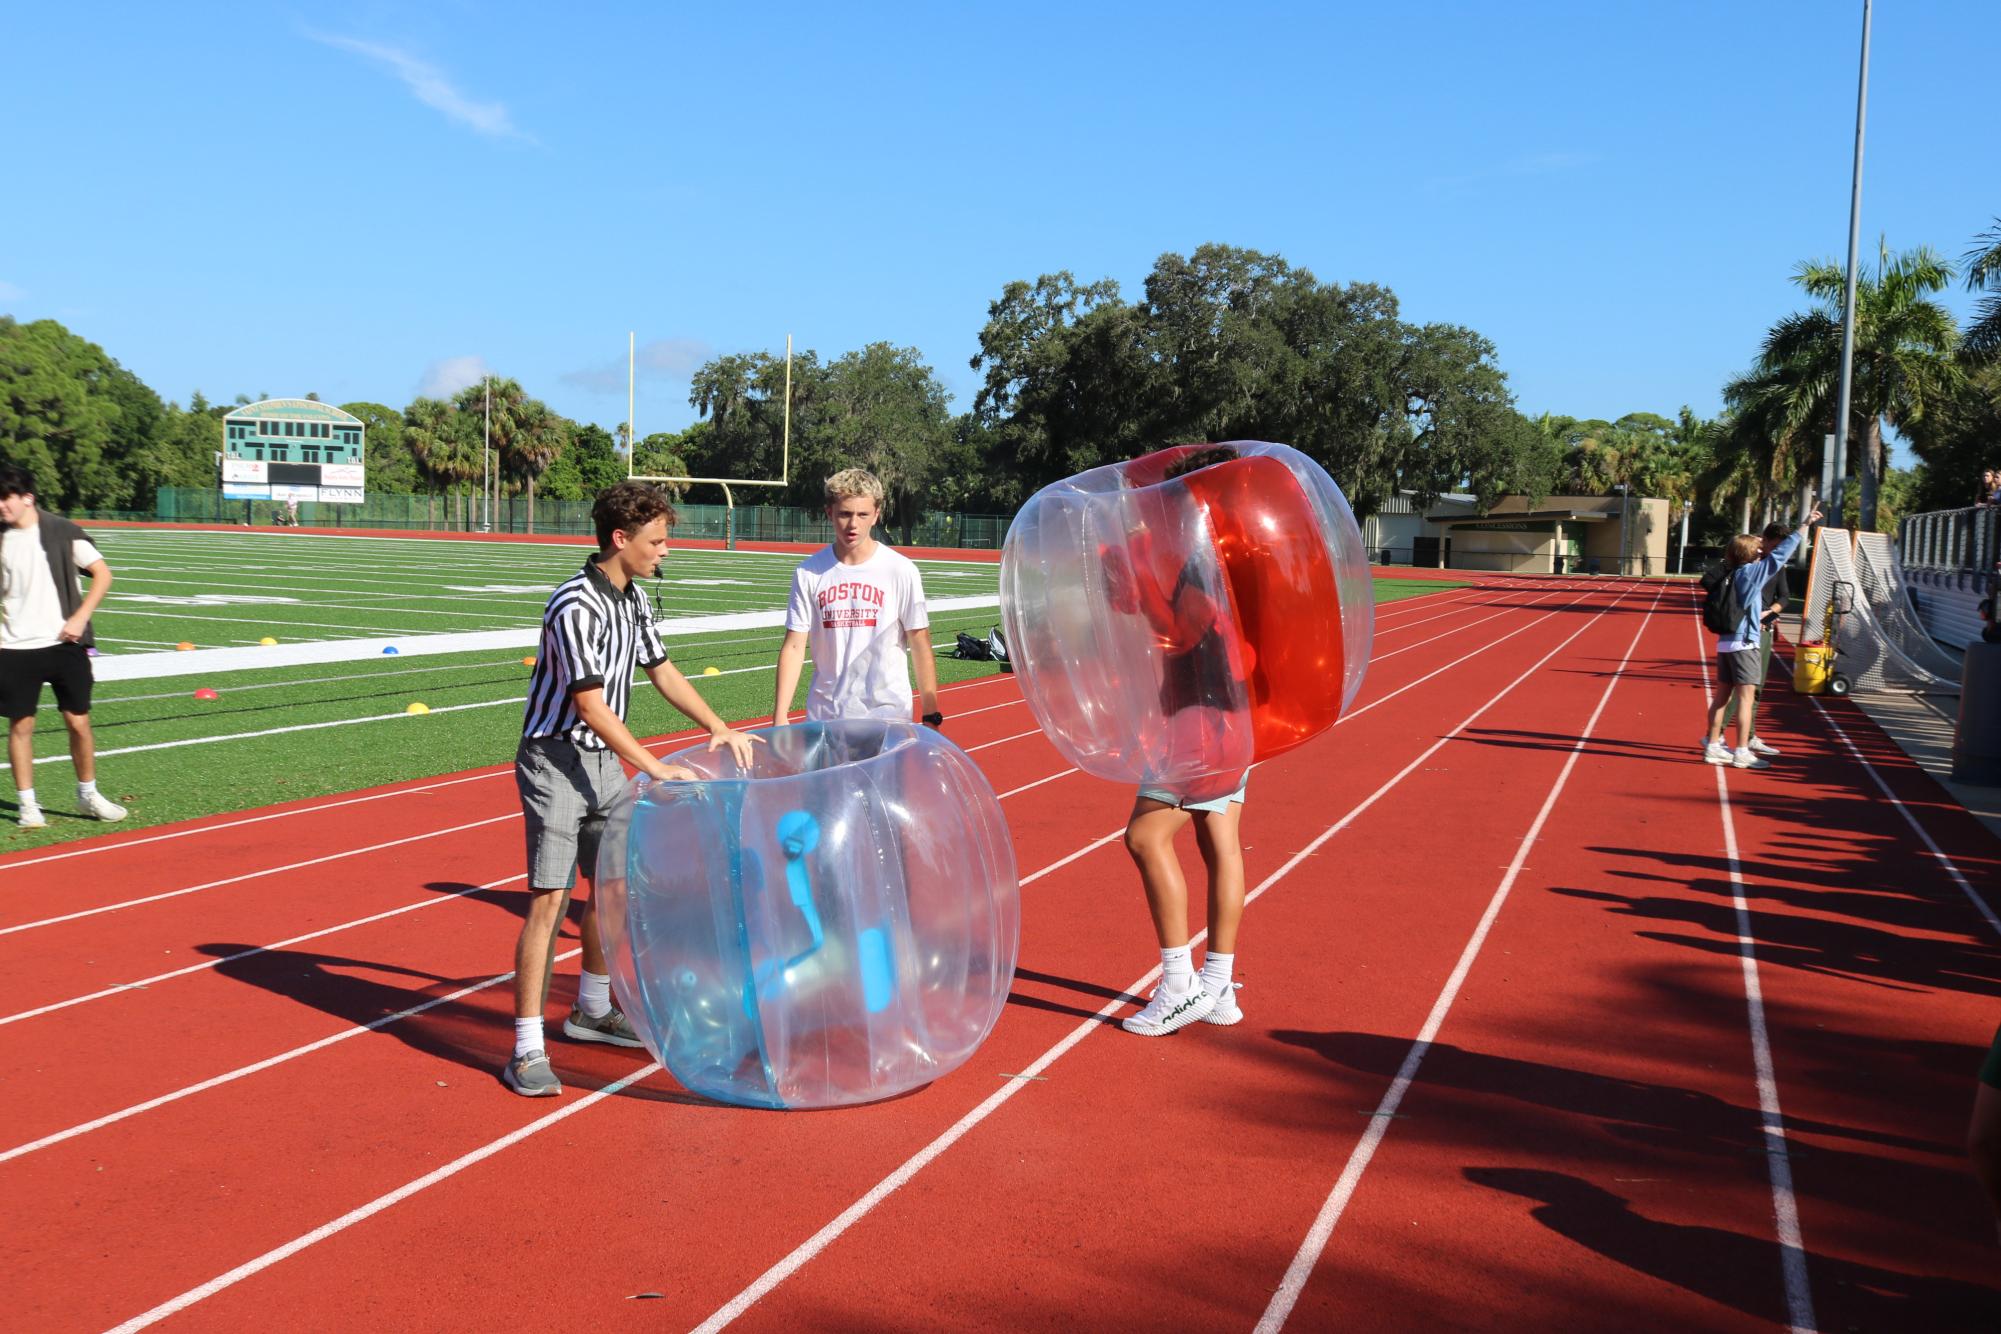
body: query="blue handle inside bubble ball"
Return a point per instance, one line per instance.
(799, 834)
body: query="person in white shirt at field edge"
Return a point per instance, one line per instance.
(860, 607)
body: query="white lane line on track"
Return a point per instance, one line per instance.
(669, 740)
(112, 1118)
(376, 1206)
(420, 904)
(1031, 879)
(1772, 1121)
(207, 964)
(1973, 895)
(855, 1212)
(231, 1076)
(908, 1170)
(1324, 1222)
(253, 875)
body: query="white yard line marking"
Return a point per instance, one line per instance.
(1952, 870)
(1324, 1222)
(377, 1205)
(670, 740)
(1778, 1162)
(888, 1186)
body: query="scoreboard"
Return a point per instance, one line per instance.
(326, 483)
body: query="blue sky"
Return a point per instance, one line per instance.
(368, 200)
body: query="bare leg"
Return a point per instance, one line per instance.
(1747, 703)
(1719, 712)
(21, 750)
(1223, 854)
(535, 952)
(1150, 839)
(82, 751)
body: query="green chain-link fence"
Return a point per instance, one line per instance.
(752, 523)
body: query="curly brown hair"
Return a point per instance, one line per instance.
(628, 507)
(1200, 458)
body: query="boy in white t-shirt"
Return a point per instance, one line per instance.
(45, 639)
(860, 607)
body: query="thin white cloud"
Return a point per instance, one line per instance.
(447, 375)
(431, 86)
(661, 359)
(1531, 164)
(9, 292)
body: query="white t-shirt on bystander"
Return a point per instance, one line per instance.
(31, 615)
(857, 620)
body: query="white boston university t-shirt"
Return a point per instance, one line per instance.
(31, 614)
(856, 619)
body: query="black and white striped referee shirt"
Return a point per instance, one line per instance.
(592, 635)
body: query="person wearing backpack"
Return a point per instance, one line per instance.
(1777, 594)
(1732, 608)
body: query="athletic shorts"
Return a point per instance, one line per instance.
(24, 671)
(566, 795)
(1990, 1069)
(1215, 807)
(1739, 668)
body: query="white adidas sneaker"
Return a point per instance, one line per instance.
(1226, 1010)
(1167, 1011)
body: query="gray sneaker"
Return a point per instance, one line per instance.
(31, 817)
(611, 1026)
(530, 1076)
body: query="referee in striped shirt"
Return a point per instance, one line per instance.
(596, 629)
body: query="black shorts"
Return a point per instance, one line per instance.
(24, 671)
(1739, 669)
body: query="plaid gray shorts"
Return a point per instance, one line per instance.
(566, 795)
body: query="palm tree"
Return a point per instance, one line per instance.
(535, 436)
(1983, 274)
(1904, 345)
(446, 452)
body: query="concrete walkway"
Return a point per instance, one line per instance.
(1923, 726)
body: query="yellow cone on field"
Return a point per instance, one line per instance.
(712, 671)
(418, 707)
(184, 645)
(528, 662)
(267, 641)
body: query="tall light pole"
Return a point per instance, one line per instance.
(1848, 307)
(1681, 556)
(486, 462)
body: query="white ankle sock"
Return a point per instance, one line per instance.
(1177, 969)
(594, 994)
(85, 791)
(26, 797)
(1216, 970)
(527, 1036)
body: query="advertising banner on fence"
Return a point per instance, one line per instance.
(342, 474)
(245, 491)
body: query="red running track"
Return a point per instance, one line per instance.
(1498, 1070)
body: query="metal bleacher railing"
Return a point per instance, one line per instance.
(1958, 541)
(752, 523)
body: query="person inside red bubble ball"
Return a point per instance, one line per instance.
(1205, 667)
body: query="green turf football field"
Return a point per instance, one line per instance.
(281, 733)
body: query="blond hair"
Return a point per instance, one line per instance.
(1744, 549)
(850, 483)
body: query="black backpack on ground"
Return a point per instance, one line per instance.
(972, 649)
(1722, 607)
